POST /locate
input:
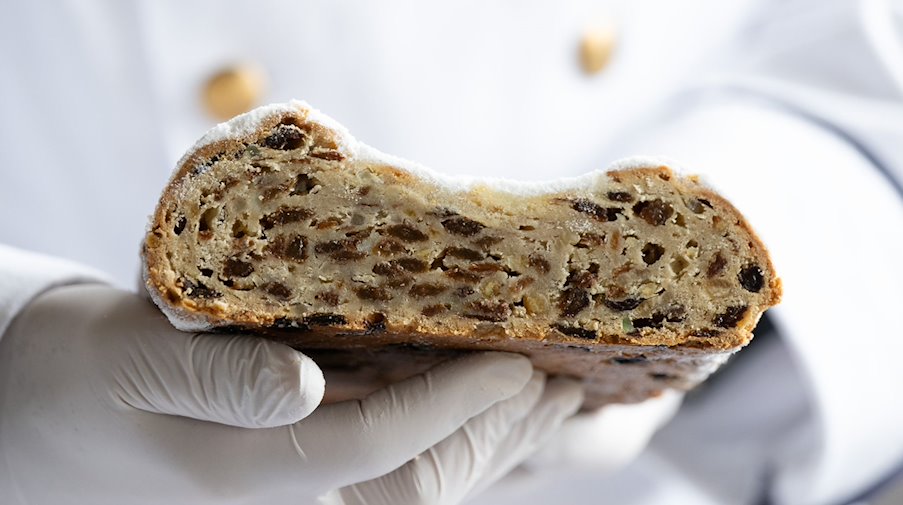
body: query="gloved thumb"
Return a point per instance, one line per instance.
(237, 380)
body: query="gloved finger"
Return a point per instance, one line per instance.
(236, 380)
(370, 437)
(560, 400)
(608, 438)
(445, 471)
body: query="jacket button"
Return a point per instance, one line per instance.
(232, 91)
(596, 48)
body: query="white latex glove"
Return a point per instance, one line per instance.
(484, 450)
(608, 438)
(88, 372)
(590, 443)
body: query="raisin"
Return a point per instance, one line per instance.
(294, 249)
(485, 310)
(199, 290)
(595, 210)
(730, 317)
(487, 242)
(539, 263)
(462, 226)
(716, 266)
(285, 215)
(303, 184)
(620, 196)
(325, 319)
(576, 331)
(328, 155)
(347, 255)
(652, 253)
(622, 305)
(462, 275)
(375, 323)
(649, 322)
(285, 137)
(395, 268)
(464, 291)
(278, 290)
(340, 250)
(359, 234)
(411, 264)
(427, 289)
(270, 193)
(398, 281)
(433, 310)
(655, 212)
(328, 297)
(372, 293)
(180, 225)
(328, 223)
(443, 212)
(751, 278)
(590, 241)
(675, 314)
(694, 205)
(234, 267)
(388, 269)
(662, 377)
(486, 267)
(388, 247)
(583, 280)
(463, 253)
(611, 213)
(206, 272)
(571, 301)
(630, 360)
(406, 233)
(706, 332)
(522, 283)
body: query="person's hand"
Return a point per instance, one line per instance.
(595, 443)
(484, 450)
(102, 401)
(608, 438)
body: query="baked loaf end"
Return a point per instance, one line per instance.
(280, 222)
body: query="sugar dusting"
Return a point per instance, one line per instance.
(245, 126)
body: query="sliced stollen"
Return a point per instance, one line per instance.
(280, 222)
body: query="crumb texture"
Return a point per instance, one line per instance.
(638, 276)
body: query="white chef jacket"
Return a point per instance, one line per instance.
(791, 109)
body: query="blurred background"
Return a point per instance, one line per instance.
(792, 108)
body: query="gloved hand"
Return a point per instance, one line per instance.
(484, 450)
(592, 443)
(608, 438)
(88, 374)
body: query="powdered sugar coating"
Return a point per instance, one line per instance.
(247, 125)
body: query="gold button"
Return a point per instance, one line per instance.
(596, 48)
(233, 90)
